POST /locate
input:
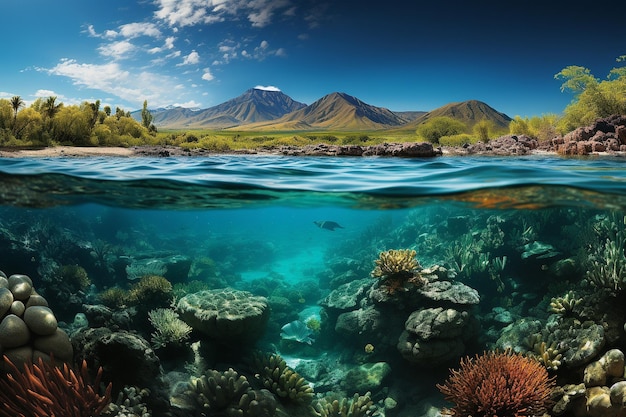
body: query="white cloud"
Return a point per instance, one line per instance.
(267, 88)
(134, 30)
(192, 104)
(116, 50)
(194, 12)
(192, 59)
(111, 78)
(47, 93)
(207, 76)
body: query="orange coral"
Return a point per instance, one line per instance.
(498, 385)
(45, 390)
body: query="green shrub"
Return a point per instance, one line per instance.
(458, 140)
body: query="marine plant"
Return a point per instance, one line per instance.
(42, 389)
(284, 382)
(502, 384)
(114, 297)
(75, 276)
(169, 329)
(357, 406)
(397, 267)
(152, 290)
(607, 264)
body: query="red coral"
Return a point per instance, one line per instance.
(498, 385)
(45, 390)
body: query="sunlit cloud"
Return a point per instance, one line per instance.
(168, 45)
(192, 59)
(128, 31)
(116, 50)
(207, 76)
(111, 78)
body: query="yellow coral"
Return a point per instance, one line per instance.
(564, 305)
(151, 289)
(396, 262)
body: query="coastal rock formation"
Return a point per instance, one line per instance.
(604, 135)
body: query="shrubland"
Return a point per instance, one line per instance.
(47, 122)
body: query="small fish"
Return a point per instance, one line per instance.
(328, 225)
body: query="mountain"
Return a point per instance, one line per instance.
(255, 105)
(335, 111)
(469, 112)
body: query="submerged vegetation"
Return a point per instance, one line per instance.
(47, 122)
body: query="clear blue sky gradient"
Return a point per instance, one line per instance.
(402, 55)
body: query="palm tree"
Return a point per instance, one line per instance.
(50, 107)
(16, 104)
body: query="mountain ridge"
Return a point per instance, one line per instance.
(272, 110)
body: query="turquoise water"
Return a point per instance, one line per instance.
(520, 231)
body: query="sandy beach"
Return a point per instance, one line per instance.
(69, 151)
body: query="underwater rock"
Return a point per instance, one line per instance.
(451, 291)
(298, 331)
(225, 315)
(126, 358)
(581, 341)
(513, 336)
(347, 296)
(366, 321)
(366, 377)
(435, 336)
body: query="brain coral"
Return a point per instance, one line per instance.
(225, 315)
(28, 328)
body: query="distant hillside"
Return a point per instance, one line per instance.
(255, 105)
(335, 111)
(469, 112)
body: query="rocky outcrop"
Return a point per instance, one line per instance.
(504, 145)
(406, 149)
(604, 135)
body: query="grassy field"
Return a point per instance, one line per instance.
(233, 140)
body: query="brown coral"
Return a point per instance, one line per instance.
(397, 267)
(498, 385)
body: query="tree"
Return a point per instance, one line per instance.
(593, 98)
(482, 128)
(146, 116)
(16, 104)
(434, 129)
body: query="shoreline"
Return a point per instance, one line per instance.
(173, 151)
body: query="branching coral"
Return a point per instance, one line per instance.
(498, 384)
(151, 290)
(564, 305)
(395, 262)
(397, 267)
(283, 381)
(218, 390)
(169, 328)
(357, 406)
(44, 390)
(226, 393)
(549, 355)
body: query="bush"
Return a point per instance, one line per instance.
(434, 129)
(457, 140)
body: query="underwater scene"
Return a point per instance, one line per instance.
(281, 286)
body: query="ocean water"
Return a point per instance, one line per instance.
(519, 231)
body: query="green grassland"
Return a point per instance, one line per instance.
(220, 140)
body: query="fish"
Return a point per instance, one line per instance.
(328, 225)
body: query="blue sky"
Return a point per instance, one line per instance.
(402, 55)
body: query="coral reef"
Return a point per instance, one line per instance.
(564, 305)
(498, 384)
(395, 268)
(357, 406)
(169, 329)
(42, 389)
(283, 381)
(226, 315)
(28, 327)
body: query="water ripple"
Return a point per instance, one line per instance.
(227, 181)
